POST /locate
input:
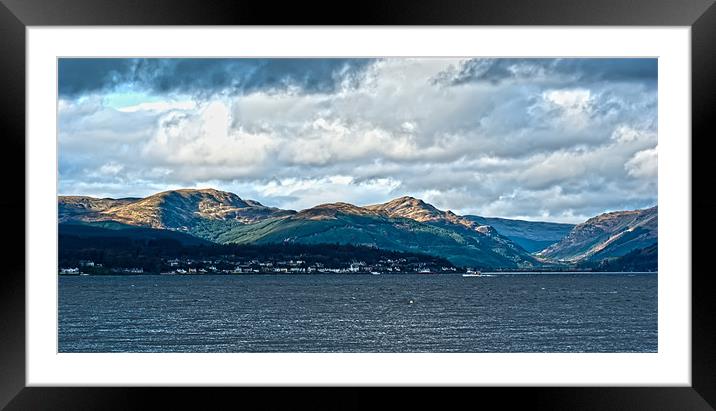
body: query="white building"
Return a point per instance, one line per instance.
(69, 270)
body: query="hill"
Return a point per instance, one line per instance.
(417, 228)
(405, 224)
(190, 210)
(607, 235)
(641, 259)
(115, 250)
(93, 233)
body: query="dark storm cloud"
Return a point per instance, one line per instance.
(205, 77)
(78, 76)
(561, 70)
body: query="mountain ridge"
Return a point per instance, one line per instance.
(611, 234)
(173, 209)
(403, 224)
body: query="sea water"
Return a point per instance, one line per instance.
(505, 313)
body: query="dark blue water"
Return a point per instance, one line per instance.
(359, 313)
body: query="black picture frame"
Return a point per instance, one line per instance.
(16, 15)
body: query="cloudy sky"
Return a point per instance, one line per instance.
(539, 139)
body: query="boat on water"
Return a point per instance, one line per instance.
(424, 271)
(472, 273)
(375, 273)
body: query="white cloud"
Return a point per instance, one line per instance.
(574, 105)
(111, 168)
(629, 134)
(159, 106)
(205, 139)
(643, 164)
(573, 100)
(300, 193)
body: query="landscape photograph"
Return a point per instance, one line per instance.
(348, 205)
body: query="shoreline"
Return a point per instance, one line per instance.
(490, 273)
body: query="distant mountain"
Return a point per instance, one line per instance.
(418, 210)
(404, 224)
(72, 207)
(607, 235)
(640, 259)
(531, 235)
(186, 210)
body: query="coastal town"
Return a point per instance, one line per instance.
(190, 266)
